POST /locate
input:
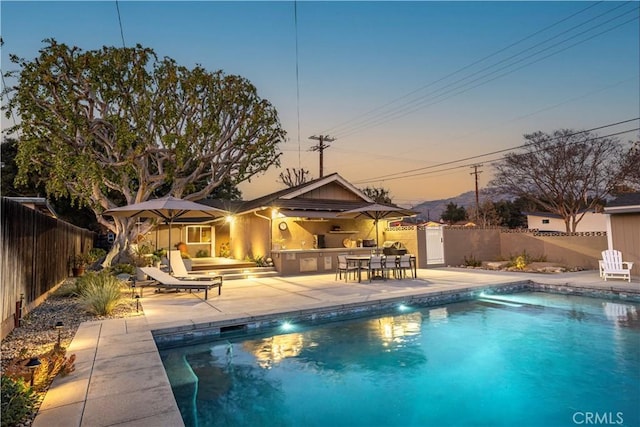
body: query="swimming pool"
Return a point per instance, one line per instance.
(528, 359)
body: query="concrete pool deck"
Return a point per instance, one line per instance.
(119, 377)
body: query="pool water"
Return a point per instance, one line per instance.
(527, 359)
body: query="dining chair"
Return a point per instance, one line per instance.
(376, 265)
(345, 267)
(404, 264)
(391, 265)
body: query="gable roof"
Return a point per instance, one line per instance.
(293, 200)
(624, 203)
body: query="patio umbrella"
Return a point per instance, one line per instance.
(376, 212)
(167, 208)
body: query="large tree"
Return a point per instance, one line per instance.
(116, 126)
(567, 172)
(631, 180)
(454, 213)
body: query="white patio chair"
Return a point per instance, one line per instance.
(613, 267)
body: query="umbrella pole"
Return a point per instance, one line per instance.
(377, 243)
(168, 253)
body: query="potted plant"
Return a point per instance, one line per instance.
(78, 264)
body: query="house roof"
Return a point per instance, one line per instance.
(555, 215)
(624, 203)
(543, 214)
(291, 201)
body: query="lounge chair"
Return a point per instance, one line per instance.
(166, 281)
(178, 269)
(612, 266)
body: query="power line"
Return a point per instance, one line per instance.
(393, 101)
(490, 162)
(120, 23)
(410, 173)
(352, 126)
(494, 152)
(423, 101)
(295, 18)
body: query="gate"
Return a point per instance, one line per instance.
(435, 245)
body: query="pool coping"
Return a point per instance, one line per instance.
(120, 378)
(207, 331)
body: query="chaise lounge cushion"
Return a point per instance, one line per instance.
(167, 281)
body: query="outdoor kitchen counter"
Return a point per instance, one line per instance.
(308, 261)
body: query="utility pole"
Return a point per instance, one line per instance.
(476, 172)
(320, 147)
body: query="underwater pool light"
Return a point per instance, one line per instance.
(403, 307)
(286, 326)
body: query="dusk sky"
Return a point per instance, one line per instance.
(402, 86)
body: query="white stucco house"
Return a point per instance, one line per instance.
(545, 221)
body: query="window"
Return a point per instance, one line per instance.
(545, 221)
(198, 234)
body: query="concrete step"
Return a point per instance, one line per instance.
(248, 274)
(244, 273)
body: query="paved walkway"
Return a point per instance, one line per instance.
(119, 377)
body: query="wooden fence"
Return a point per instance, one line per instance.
(35, 251)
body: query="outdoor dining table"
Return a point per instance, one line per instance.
(361, 261)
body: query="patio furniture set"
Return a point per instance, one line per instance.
(376, 266)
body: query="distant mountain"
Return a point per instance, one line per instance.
(432, 210)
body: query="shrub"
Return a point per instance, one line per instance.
(100, 293)
(18, 400)
(96, 254)
(472, 261)
(520, 262)
(202, 253)
(123, 268)
(225, 250)
(67, 289)
(524, 259)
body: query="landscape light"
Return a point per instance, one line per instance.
(33, 364)
(59, 325)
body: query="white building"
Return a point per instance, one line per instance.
(545, 221)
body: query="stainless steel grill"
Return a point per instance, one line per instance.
(391, 247)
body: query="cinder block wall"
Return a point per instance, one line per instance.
(493, 244)
(480, 243)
